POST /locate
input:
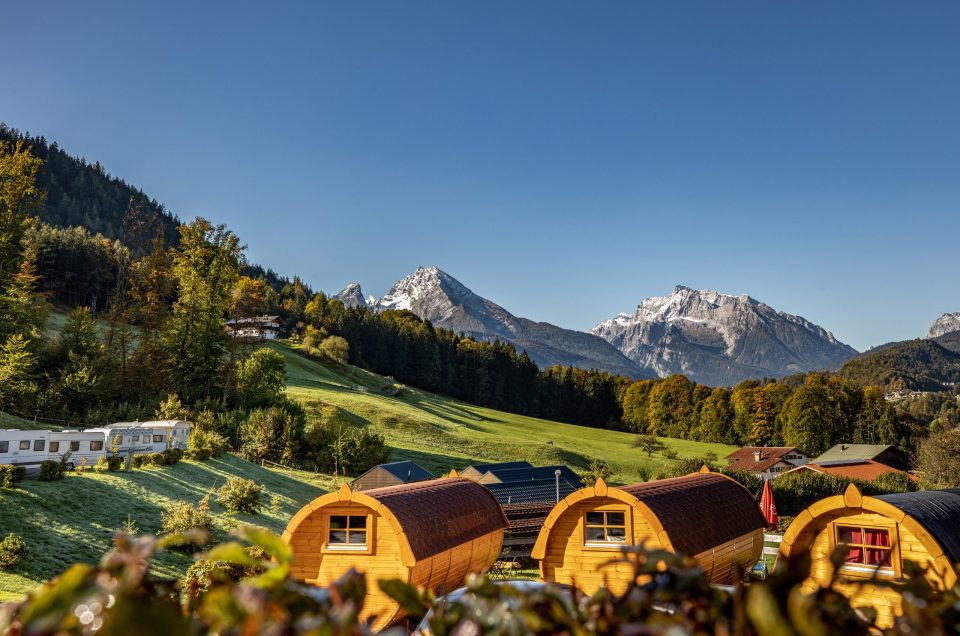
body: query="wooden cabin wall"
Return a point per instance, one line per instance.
(567, 560)
(725, 563)
(886, 601)
(446, 571)
(312, 565)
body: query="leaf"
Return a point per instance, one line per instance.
(267, 540)
(231, 552)
(408, 596)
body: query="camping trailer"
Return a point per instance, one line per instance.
(164, 434)
(428, 533)
(23, 448)
(707, 516)
(89, 444)
(880, 534)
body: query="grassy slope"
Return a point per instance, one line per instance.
(441, 433)
(74, 520)
(12, 421)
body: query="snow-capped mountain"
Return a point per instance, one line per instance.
(352, 296)
(947, 323)
(434, 295)
(719, 340)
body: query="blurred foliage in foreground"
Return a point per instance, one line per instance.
(244, 587)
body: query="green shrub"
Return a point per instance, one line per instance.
(240, 495)
(140, 460)
(181, 516)
(171, 456)
(12, 549)
(206, 444)
(888, 483)
(51, 470)
(153, 459)
(670, 454)
(11, 475)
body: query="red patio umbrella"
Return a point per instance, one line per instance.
(767, 506)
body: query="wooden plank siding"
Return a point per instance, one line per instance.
(425, 549)
(566, 558)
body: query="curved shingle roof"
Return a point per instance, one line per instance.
(699, 511)
(938, 511)
(441, 514)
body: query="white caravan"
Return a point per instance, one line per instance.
(23, 448)
(166, 433)
(89, 444)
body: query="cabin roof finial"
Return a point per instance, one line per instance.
(704, 469)
(453, 473)
(345, 492)
(852, 496)
(600, 487)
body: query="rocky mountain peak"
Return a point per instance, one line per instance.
(719, 339)
(947, 323)
(352, 296)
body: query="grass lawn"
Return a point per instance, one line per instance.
(74, 520)
(441, 433)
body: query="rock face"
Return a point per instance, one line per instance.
(351, 296)
(947, 323)
(434, 295)
(720, 340)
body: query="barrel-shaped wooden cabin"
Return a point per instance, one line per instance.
(707, 516)
(880, 534)
(430, 533)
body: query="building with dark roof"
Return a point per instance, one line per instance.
(391, 474)
(878, 535)
(509, 475)
(477, 471)
(532, 490)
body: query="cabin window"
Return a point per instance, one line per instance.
(74, 447)
(96, 446)
(4, 447)
(605, 528)
(867, 548)
(38, 445)
(347, 532)
(24, 444)
(157, 438)
(135, 438)
(54, 447)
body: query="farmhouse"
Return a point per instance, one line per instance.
(429, 533)
(883, 453)
(391, 474)
(766, 462)
(865, 469)
(705, 515)
(255, 327)
(880, 534)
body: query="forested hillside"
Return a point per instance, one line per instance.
(922, 365)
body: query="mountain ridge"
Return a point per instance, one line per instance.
(435, 295)
(720, 339)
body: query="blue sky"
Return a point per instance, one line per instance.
(566, 160)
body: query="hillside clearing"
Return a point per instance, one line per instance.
(441, 433)
(74, 520)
